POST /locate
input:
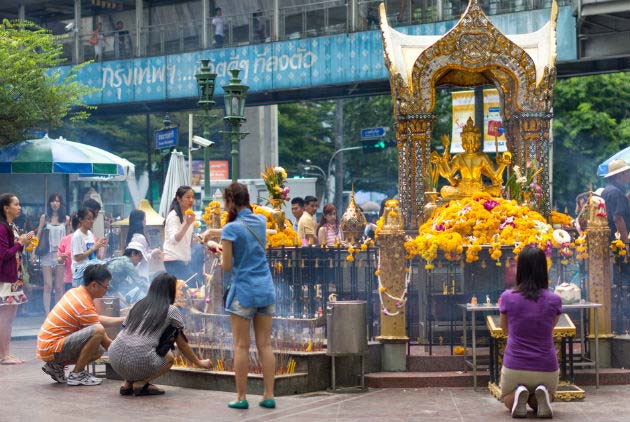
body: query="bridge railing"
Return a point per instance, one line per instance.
(318, 18)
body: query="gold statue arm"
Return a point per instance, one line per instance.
(503, 161)
(442, 167)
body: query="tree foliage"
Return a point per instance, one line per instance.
(306, 130)
(591, 123)
(31, 95)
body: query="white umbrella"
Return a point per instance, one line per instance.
(176, 176)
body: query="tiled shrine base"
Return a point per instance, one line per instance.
(312, 373)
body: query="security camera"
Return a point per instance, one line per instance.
(69, 27)
(202, 142)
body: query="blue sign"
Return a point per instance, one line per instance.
(166, 138)
(293, 64)
(373, 132)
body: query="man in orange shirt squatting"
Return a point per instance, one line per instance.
(74, 333)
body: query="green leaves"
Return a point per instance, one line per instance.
(590, 125)
(31, 96)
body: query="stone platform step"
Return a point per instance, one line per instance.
(423, 379)
(608, 376)
(435, 363)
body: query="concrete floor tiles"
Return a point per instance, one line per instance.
(30, 395)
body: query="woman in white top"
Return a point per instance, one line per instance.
(84, 245)
(53, 224)
(178, 231)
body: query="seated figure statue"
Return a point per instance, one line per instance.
(471, 165)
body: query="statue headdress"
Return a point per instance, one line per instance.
(470, 127)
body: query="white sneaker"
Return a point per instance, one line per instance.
(82, 378)
(544, 405)
(55, 370)
(519, 408)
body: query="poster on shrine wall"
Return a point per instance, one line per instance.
(494, 133)
(464, 107)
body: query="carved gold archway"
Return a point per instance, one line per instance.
(474, 52)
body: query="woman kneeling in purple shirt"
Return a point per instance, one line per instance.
(529, 312)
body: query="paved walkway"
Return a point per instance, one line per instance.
(30, 395)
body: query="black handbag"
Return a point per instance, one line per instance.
(167, 340)
(44, 243)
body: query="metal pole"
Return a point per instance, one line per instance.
(149, 153)
(77, 56)
(206, 158)
(330, 165)
(205, 12)
(190, 145)
(139, 27)
(234, 135)
(339, 162)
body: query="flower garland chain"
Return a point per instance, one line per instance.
(401, 300)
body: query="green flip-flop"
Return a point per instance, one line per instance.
(268, 403)
(238, 404)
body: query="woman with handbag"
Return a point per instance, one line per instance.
(252, 295)
(52, 228)
(11, 294)
(141, 351)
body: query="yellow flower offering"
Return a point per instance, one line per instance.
(350, 258)
(33, 244)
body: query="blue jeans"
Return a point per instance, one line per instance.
(179, 269)
(248, 313)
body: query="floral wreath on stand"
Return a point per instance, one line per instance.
(275, 178)
(400, 301)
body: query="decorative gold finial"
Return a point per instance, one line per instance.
(353, 222)
(470, 127)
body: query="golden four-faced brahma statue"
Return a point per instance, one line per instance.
(471, 165)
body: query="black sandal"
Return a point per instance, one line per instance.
(126, 391)
(146, 391)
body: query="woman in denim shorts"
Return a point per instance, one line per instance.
(252, 294)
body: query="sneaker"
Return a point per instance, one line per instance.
(55, 370)
(82, 378)
(544, 404)
(519, 408)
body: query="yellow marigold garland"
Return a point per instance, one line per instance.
(477, 221)
(560, 218)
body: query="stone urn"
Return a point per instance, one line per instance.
(278, 214)
(353, 222)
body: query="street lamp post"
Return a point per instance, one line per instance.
(205, 84)
(308, 165)
(330, 165)
(235, 94)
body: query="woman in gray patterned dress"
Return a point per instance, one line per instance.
(133, 353)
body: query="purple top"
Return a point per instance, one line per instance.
(530, 331)
(8, 260)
